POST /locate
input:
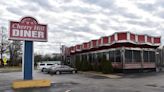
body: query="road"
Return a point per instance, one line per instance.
(146, 82)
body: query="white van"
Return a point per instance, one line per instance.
(42, 66)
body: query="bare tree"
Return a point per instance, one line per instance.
(3, 42)
(15, 52)
(37, 58)
(13, 48)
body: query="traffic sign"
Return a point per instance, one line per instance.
(5, 61)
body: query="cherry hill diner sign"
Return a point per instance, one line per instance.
(28, 29)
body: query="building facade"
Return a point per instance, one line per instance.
(125, 50)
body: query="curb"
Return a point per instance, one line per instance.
(30, 83)
(8, 71)
(111, 76)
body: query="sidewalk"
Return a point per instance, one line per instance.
(112, 76)
(10, 69)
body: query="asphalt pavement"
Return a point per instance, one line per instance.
(83, 82)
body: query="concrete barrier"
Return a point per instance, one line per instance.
(31, 83)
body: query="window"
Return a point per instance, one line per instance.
(84, 57)
(42, 64)
(111, 56)
(152, 56)
(137, 56)
(49, 64)
(66, 66)
(117, 56)
(78, 58)
(94, 57)
(146, 56)
(91, 59)
(107, 56)
(128, 56)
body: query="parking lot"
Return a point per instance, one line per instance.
(83, 82)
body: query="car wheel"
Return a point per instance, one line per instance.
(73, 72)
(57, 72)
(44, 70)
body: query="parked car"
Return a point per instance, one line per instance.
(61, 69)
(43, 66)
(54, 66)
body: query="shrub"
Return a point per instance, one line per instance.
(96, 67)
(106, 66)
(85, 66)
(78, 63)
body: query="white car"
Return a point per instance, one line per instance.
(45, 65)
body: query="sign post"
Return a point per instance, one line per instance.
(28, 30)
(28, 60)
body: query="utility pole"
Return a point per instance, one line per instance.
(60, 51)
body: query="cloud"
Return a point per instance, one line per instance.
(73, 22)
(45, 4)
(15, 10)
(32, 7)
(144, 23)
(101, 3)
(147, 7)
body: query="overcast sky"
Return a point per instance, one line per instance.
(75, 21)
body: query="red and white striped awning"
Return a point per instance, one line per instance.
(118, 37)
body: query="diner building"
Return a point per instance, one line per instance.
(125, 50)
